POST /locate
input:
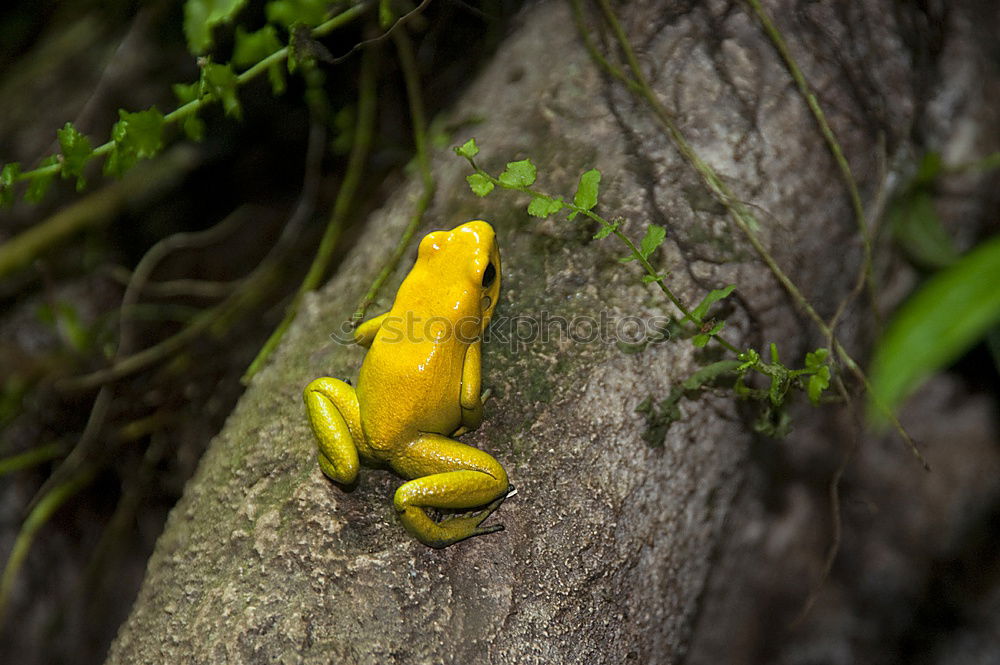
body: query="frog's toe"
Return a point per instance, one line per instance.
(453, 529)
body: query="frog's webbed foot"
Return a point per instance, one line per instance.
(460, 526)
(448, 475)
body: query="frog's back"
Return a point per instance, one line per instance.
(405, 388)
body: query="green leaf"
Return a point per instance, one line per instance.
(192, 125)
(698, 313)
(469, 149)
(654, 237)
(930, 168)
(200, 16)
(586, 191)
(649, 279)
(701, 339)
(252, 47)
(947, 315)
(288, 12)
(137, 136)
(818, 382)
(817, 358)
(143, 131)
(76, 152)
(518, 175)
(918, 230)
(480, 184)
(39, 184)
(220, 82)
(749, 358)
(608, 228)
(8, 176)
(187, 92)
(543, 206)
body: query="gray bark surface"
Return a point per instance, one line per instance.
(614, 550)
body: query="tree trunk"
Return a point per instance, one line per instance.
(615, 549)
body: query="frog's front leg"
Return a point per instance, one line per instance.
(336, 420)
(365, 333)
(472, 382)
(447, 474)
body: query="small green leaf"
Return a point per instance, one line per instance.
(249, 48)
(654, 237)
(749, 358)
(142, 130)
(200, 16)
(949, 313)
(649, 279)
(698, 313)
(518, 175)
(930, 168)
(586, 191)
(252, 47)
(39, 184)
(607, 229)
(192, 125)
(220, 82)
(137, 136)
(916, 226)
(8, 176)
(288, 12)
(469, 149)
(480, 184)
(187, 92)
(76, 152)
(543, 206)
(817, 358)
(701, 339)
(818, 382)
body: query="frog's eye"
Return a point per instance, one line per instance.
(489, 275)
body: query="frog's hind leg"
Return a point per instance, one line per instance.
(447, 474)
(336, 420)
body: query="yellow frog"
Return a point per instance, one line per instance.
(419, 386)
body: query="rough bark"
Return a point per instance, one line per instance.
(610, 544)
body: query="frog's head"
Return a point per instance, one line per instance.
(469, 258)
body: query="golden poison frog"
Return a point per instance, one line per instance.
(419, 387)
